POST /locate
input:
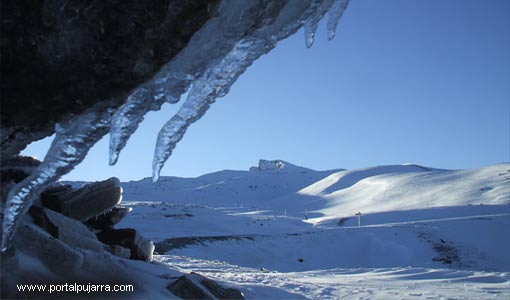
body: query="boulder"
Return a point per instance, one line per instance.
(57, 256)
(18, 168)
(5, 187)
(141, 249)
(86, 202)
(54, 195)
(24, 163)
(40, 218)
(196, 286)
(120, 251)
(106, 268)
(74, 233)
(68, 230)
(217, 290)
(185, 288)
(108, 219)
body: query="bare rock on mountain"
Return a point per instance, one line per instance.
(141, 249)
(269, 165)
(86, 202)
(108, 219)
(54, 195)
(56, 255)
(185, 288)
(216, 289)
(196, 286)
(69, 231)
(120, 251)
(18, 168)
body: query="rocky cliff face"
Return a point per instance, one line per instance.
(271, 165)
(60, 57)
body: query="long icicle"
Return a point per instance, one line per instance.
(217, 80)
(214, 83)
(129, 115)
(318, 9)
(69, 147)
(335, 13)
(310, 29)
(215, 39)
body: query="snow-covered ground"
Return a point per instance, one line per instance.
(293, 233)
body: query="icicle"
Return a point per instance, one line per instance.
(269, 20)
(311, 24)
(126, 120)
(335, 13)
(214, 40)
(219, 78)
(72, 142)
(317, 10)
(310, 29)
(215, 83)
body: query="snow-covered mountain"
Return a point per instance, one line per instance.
(270, 180)
(284, 231)
(335, 193)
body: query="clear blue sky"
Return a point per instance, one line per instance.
(422, 81)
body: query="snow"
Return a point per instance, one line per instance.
(414, 219)
(353, 283)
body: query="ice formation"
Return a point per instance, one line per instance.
(239, 33)
(212, 41)
(72, 141)
(335, 13)
(312, 22)
(218, 79)
(214, 83)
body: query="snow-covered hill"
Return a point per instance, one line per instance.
(228, 188)
(334, 193)
(283, 231)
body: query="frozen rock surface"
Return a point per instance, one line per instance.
(53, 253)
(196, 286)
(88, 201)
(185, 288)
(51, 247)
(141, 249)
(110, 218)
(73, 232)
(271, 164)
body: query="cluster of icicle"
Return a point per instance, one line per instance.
(72, 141)
(238, 34)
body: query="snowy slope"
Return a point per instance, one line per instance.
(407, 187)
(332, 193)
(292, 232)
(226, 188)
